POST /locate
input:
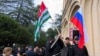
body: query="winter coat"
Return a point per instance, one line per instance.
(56, 49)
(29, 53)
(67, 51)
(47, 51)
(80, 51)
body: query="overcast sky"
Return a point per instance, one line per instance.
(54, 7)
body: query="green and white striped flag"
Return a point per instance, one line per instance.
(43, 15)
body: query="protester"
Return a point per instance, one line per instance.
(14, 52)
(41, 52)
(55, 50)
(29, 52)
(7, 51)
(67, 49)
(48, 44)
(20, 51)
(25, 49)
(79, 51)
(36, 51)
(58, 46)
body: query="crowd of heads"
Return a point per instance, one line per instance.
(23, 51)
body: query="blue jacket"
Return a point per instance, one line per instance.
(29, 53)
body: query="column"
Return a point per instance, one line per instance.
(88, 21)
(96, 29)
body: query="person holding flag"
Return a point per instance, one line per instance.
(79, 22)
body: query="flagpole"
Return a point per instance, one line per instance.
(57, 37)
(58, 32)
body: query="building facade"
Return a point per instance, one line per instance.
(91, 11)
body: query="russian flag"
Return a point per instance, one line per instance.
(79, 22)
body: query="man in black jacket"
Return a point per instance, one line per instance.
(48, 51)
(79, 51)
(56, 48)
(68, 49)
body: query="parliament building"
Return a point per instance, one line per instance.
(91, 12)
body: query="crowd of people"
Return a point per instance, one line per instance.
(60, 48)
(27, 51)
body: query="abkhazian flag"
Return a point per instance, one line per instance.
(43, 16)
(79, 22)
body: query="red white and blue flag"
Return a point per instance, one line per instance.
(79, 22)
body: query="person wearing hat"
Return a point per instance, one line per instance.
(79, 51)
